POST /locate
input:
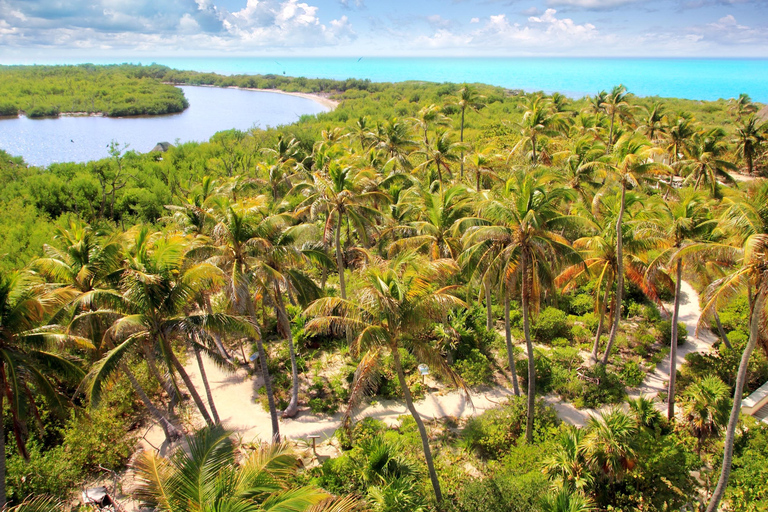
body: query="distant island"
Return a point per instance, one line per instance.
(114, 91)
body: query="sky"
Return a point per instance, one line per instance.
(36, 30)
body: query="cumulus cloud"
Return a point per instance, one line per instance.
(179, 24)
(590, 4)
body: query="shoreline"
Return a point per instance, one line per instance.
(316, 97)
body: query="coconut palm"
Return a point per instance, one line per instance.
(343, 195)
(752, 275)
(539, 120)
(577, 165)
(157, 289)
(29, 358)
(750, 135)
(680, 130)
(705, 405)
(630, 163)
(520, 245)
(652, 121)
(441, 154)
(468, 98)
(703, 164)
(208, 477)
(394, 138)
(615, 104)
(482, 162)
(746, 215)
(682, 222)
(397, 303)
(741, 106)
(431, 115)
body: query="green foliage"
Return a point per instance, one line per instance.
(747, 489)
(543, 369)
(117, 90)
(665, 332)
(631, 373)
(600, 386)
(579, 304)
(475, 369)
(551, 323)
(494, 433)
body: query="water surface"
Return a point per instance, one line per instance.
(81, 139)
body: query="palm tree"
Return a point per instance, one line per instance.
(566, 501)
(569, 465)
(209, 477)
(630, 163)
(397, 303)
(28, 356)
(703, 163)
(741, 106)
(615, 103)
(157, 289)
(341, 195)
(683, 222)
(520, 245)
(441, 154)
(482, 162)
(577, 165)
(610, 444)
(705, 407)
(468, 98)
(753, 275)
(750, 135)
(394, 138)
(539, 120)
(679, 134)
(652, 123)
(430, 115)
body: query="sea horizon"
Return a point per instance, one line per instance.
(693, 78)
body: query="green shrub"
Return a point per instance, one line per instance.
(543, 369)
(580, 304)
(496, 431)
(665, 332)
(8, 109)
(632, 374)
(505, 491)
(475, 369)
(601, 387)
(552, 323)
(580, 334)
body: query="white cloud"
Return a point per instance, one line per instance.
(475, 20)
(590, 4)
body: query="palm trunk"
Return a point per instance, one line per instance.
(610, 133)
(168, 385)
(187, 382)
(340, 259)
(673, 344)
(265, 374)
(219, 345)
(596, 345)
(282, 317)
(171, 432)
(730, 433)
(207, 386)
(419, 424)
(529, 346)
(619, 277)
(533, 144)
(510, 348)
(461, 139)
(720, 329)
(488, 308)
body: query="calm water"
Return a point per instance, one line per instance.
(698, 79)
(81, 139)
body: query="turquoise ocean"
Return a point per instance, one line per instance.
(698, 79)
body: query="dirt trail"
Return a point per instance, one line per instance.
(236, 398)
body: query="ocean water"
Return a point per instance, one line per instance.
(698, 79)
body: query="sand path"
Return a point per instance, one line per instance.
(236, 398)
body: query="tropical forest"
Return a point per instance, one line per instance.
(434, 297)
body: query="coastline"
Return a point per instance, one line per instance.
(318, 98)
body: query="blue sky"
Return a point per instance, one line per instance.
(77, 29)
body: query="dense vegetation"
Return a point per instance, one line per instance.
(350, 247)
(45, 91)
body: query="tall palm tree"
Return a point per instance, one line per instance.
(208, 477)
(520, 245)
(703, 164)
(680, 130)
(630, 163)
(397, 303)
(683, 221)
(467, 99)
(482, 162)
(441, 154)
(705, 405)
(431, 115)
(741, 106)
(539, 120)
(652, 122)
(577, 165)
(752, 275)
(29, 359)
(343, 196)
(615, 104)
(750, 135)
(394, 138)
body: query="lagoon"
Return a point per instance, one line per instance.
(81, 139)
